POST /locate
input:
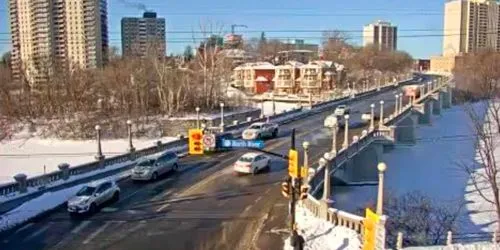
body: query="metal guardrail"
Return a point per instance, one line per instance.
(42, 181)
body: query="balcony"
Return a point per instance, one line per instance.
(238, 83)
(284, 84)
(310, 83)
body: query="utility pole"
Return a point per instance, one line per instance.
(293, 189)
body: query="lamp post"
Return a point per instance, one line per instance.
(334, 136)
(381, 122)
(274, 104)
(222, 116)
(99, 155)
(400, 102)
(396, 108)
(197, 117)
(380, 197)
(305, 145)
(327, 157)
(372, 117)
(130, 145)
(346, 132)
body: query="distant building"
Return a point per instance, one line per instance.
(298, 51)
(317, 76)
(64, 33)
(422, 65)
(381, 34)
(254, 77)
(143, 35)
(233, 41)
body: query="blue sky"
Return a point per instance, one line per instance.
(279, 15)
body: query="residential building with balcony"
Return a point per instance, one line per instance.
(317, 76)
(255, 77)
(59, 33)
(286, 77)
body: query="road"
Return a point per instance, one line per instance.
(202, 206)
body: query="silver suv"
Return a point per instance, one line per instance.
(93, 195)
(152, 167)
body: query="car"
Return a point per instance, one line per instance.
(366, 117)
(93, 195)
(260, 130)
(252, 163)
(341, 110)
(152, 167)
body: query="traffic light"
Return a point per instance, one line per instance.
(195, 144)
(304, 189)
(285, 188)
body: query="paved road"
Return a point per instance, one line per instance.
(202, 206)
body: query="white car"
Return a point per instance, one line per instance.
(260, 130)
(152, 167)
(252, 163)
(366, 116)
(341, 110)
(93, 195)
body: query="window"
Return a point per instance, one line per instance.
(105, 186)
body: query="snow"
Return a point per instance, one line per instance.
(279, 107)
(29, 156)
(45, 202)
(322, 235)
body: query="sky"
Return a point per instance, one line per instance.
(420, 22)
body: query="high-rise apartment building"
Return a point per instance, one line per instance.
(381, 34)
(69, 33)
(142, 36)
(470, 25)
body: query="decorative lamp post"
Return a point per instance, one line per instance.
(130, 145)
(197, 117)
(380, 197)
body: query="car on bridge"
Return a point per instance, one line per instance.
(91, 196)
(341, 110)
(252, 163)
(150, 168)
(367, 116)
(260, 130)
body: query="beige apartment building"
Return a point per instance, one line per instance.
(69, 33)
(381, 34)
(469, 25)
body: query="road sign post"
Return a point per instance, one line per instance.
(292, 165)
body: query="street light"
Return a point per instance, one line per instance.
(346, 132)
(99, 155)
(380, 197)
(372, 118)
(305, 145)
(396, 108)
(222, 116)
(326, 182)
(400, 102)
(381, 122)
(130, 145)
(197, 117)
(334, 136)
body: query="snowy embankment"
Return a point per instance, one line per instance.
(43, 203)
(322, 235)
(34, 156)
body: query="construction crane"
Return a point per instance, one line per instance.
(236, 25)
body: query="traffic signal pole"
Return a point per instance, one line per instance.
(294, 191)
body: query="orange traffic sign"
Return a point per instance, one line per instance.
(370, 226)
(293, 163)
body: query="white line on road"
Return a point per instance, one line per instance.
(24, 227)
(268, 190)
(80, 227)
(258, 199)
(97, 232)
(247, 208)
(39, 231)
(162, 207)
(141, 224)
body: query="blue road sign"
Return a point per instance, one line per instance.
(242, 144)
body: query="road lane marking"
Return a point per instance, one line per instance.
(162, 195)
(141, 224)
(247, 208)
(24, 227)
(162, 207)
(80, 227)
(39, 231)
(258, 199)
(97, 232)
(268, 190)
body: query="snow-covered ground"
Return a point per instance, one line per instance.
(322, 235)
(279, 107)
(47, 201)
(30, 155)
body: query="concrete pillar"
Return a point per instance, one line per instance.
(448, 97)
(64, 167)
(21, 181)
(399, 241)
(426, 117)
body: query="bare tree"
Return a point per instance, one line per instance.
(478, 77)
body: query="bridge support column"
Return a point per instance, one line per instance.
(447, 97)
(361, 166)
(404, 131)
(426, 117)
(438, 104)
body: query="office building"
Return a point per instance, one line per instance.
(69, 33)
(143, 36)
(382, 35)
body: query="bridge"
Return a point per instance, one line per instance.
(356, 161)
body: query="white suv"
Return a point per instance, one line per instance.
(260, 130)
(93, 195)
(152, 167)
(341, 110)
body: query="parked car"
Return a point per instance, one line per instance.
(252, 163)
(341, 110)
(92, 196)
(260, 130)
(152, 167)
